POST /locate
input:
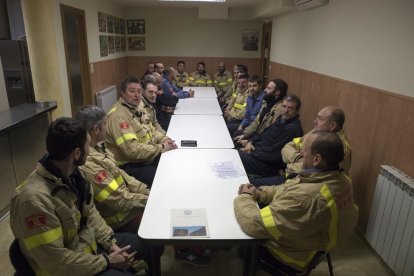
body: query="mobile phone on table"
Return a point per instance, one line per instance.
(188, 143)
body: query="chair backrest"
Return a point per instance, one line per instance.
(316, 260)
(19, 261)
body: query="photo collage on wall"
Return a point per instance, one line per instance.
(114, 39)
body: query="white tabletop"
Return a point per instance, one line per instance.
(210, 131)
(198, 106)
(202, 92)
(184, 179)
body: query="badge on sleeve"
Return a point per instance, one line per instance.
(101, 176)
(36, 221)
(124, 125)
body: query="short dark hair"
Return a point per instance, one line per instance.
(146, 79)
(294, 98)
(242, 69)
(180, 62)
(255, 78)
(201, 63)
(338, 116)
(167, 72)
(64, 136)
(329, 146)
(282, 86)
(89, 116)
(127, 81)
(153, 82)
(243, 76)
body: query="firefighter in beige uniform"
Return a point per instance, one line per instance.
(200, 76)
(182, 78)
(275, 91)
(131, 137)
(222, 80)
(237, 106)
(148, 103)
(119, 198)
(53, 217)
(308, 213)
(329, 118)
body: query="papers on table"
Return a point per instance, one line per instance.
(189, 223)
(226, 170)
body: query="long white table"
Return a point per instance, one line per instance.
(198, 106)
(210, 131)
(202, 92)
(184, 179)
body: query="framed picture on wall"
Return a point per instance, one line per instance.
(110, 23)
(117, 44)
(122, 23)
(136, 26)
(111, 44)
(250, 40)
(136, 43)
(117, 25)
(123, 44)
(102, 22)
(103, 45)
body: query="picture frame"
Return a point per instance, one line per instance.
(117, 44)
(103, 45)
(136, 43)
(117, 25)
(102, 22)
(111, 44)
(110, 23)
(122, 23)
(123, 44)
(136, 26)
(250, 40)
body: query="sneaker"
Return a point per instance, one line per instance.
(192, 259)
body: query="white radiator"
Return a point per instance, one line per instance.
(391, 222)
(106, 98)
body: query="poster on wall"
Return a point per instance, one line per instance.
(117, 44)
(250, 40)
(117, 25)
(136, 26)
(123, 44)
(110, 23)
(122, 23)
(102, 22)
(103, 45)
(111, 44)
(136, 43)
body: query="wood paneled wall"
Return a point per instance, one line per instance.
(137, 65)
(379, 125)
(108, 72)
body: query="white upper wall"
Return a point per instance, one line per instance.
(179, 32)
(370, 42)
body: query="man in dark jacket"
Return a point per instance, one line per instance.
(262, 154)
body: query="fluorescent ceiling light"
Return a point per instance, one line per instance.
(213, 1)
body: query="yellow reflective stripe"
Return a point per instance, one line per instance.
(229, 80)
(240, 106)
(104, 193)
(115, 219)
(191, 78)
(72, 232)
(43, 238)
(125, 137)
(119, 180)
(222, 83)
(120, 163)
(269, 222)
(209, 81)
(91, 248)
(297, 141)
(215, 81)
(22, 184)
(145, 138)
(111, 110)
(234, 94)
(333, 230)
(200, 81)
(289, 260)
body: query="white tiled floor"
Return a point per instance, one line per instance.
(352, 257)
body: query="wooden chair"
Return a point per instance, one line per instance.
(18, 260)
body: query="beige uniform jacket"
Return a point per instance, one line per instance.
(230, 91)
(131, 137)
(152, 114)
(45, 219)
(182, 80)
(200, 80)
(223, 82)
(118, 196)
(237, 105)
(292, 157)
(268, 120)
(308, 213)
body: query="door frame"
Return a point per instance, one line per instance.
(83, 52)
(265, 52)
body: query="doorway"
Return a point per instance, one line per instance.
(77, 60)
(265, 58)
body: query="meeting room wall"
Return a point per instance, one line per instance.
(357, 55)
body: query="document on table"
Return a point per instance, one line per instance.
(226, 170)
(189, 223)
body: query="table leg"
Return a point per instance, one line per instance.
(250, 260)
(154, 267)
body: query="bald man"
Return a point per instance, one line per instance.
(329, 118)
(222, 80)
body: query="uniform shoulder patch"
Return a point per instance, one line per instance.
(36, 221)
(100, 177)
(124, 125)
